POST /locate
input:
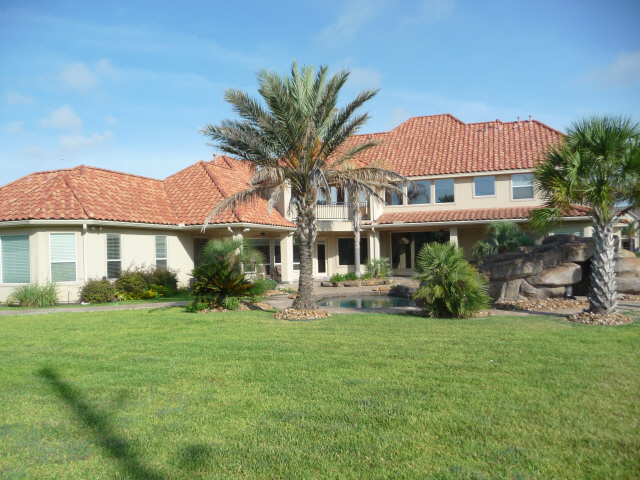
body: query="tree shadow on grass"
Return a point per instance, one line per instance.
(100, 426)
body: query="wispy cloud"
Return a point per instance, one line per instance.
(111, 120)
(65, 118)
(14, 98)
(14, 127)
(73, 143)
(624, 71)
(354, 17)
(83, 77)
(429, 11)
(32, 151)
(364, 77)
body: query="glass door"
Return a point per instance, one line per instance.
(322, 258)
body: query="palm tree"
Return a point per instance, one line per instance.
(501, 237)
(598, 166)
(631, 231)
(298, 140)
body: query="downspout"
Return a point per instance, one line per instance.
(84, 252)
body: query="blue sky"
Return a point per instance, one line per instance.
(126, 85)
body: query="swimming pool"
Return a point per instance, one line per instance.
(366, 301)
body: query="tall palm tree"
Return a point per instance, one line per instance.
(297, 139)
(597, 166)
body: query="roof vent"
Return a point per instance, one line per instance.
(529, 117)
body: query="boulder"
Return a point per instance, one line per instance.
(577, 251)
(628, 285)
(533, 293)
(502, 257)
(522, 267)
(561, 238)
(557, 276)
(626, 266)
(625, 254)
(496, 290)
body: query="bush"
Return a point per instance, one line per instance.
(501, 237)
(231, 303)
(351, 276)
(34, 295)
(98, 291)
(166, 279)
(378, 267)
(263, 285)
(449, 285)
(215, 282)
(337, 277)
(147, 282)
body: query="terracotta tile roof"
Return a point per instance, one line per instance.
(99, 194)
(442, 144)
(437, 216)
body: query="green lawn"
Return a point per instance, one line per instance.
(181, 296)
(164, 394)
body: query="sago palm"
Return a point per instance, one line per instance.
(597, 166)
(297, 139)
(501, 237)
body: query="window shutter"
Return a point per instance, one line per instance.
(63, 257)
(15, 259)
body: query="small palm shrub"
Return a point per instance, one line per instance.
(263, 285)
(378, 267)
(98, 291)
(218, 281)
(337, 277)
(238, 253)
(449, 285)
(351, 276)
(501, 237)
(34, 295)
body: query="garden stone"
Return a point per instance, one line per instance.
(626, 266)
(496, 290)
(557, 276)
(561, 238)
(326, 284)
(512, 289)
(532, 292)
(580, 250)
(628, 285)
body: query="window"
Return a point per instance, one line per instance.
(484, 186)
(337, 196)
(419, 193)
(393, 197)
(444, 191)
(114, 256)
(347, 253)
(161, 252)
(276, 252)
(63, 257)
(262, 245)
(296, 254)
(406, 246)
(522, 186)
(15, 259)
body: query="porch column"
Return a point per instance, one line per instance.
(374, 244)
(286, 257)
(453, 235)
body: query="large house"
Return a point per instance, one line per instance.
(73, 224)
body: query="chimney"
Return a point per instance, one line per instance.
(518, 120)
(82, 170)
(529, 117)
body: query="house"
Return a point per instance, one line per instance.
(73, 224)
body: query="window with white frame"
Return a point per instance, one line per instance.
(114, 255)
(62, 248)
(15, 259)
(484, 186)
(419, 192)
(161, 252)
(444, 190)
(522, 186)
(394, 197)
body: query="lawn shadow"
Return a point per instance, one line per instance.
(100, 426)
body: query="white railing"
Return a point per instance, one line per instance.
(340, 211)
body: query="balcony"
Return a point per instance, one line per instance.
(340, 211)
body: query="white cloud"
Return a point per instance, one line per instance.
(14, 98)
(65, 118)
(364, 77)
(72, 143)
(398, 116)
(14, 127)
(77, 75)
(111, 120)
(354, 17)
(623, 71)
(105, 69)
(32, 151)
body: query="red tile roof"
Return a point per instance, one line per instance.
(442, 144)
(437, 216)
(99, 194)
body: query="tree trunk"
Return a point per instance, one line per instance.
(602, 293)
(306, 234)
(357, 216)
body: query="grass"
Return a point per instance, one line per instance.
(164, 394)
(180, 296)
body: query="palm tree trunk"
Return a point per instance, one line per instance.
(357, 216)
(306, 234)
(602, 292)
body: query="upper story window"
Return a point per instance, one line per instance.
(63, 257)
(444, 190)
(484, 186)
(15, 259)
(419, 193)
(393, 197)
(114, 255)
(522, 186)
(161, 252)
(337, 196)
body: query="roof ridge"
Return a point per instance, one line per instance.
(45, 196)
(27, 192)
(224, 194)
(173, 208)
(76, 193)
(117, 172)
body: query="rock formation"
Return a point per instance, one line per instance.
(560, 266)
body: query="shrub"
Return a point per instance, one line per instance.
(351, 276)
(501, 237)
(166, 279)
(147, 282)
(34, 295)
(98, 291)
(237, 253)
(337, 277)
(215, 282)
(231, 303)
(256, 299)
(378, 267)
(263, 285)
(638, 254)
(367, 276)
(196, 306)
(449, 285)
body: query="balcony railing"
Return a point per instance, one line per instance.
(340, 211)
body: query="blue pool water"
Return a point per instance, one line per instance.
(370, 301)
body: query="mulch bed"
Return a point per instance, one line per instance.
(549, 304)
(295, 314)
(600, 319)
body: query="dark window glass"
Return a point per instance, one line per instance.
(419, 192)
(347, 254)
(393, 198)
(444, 191)
(406, 246)
(484, 186)
(296, 255)
(322, 258)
